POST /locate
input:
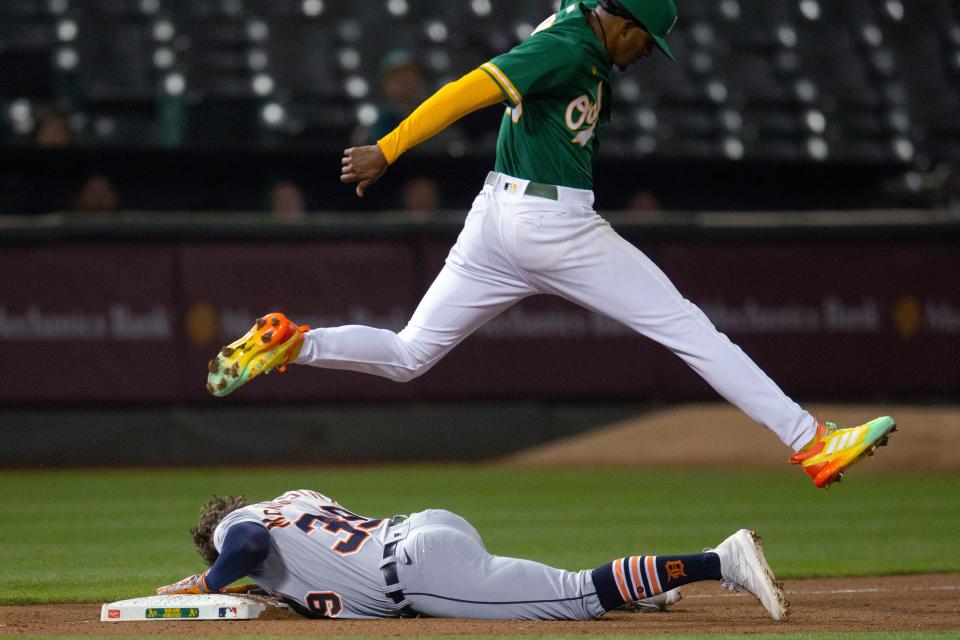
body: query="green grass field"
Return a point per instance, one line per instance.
(85, 536)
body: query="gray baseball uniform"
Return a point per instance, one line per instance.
(329, 562)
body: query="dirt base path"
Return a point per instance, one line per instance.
(715, 435)
(898, 603)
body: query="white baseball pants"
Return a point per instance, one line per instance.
(515, 245)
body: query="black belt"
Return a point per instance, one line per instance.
(548, 191)
(390, 575)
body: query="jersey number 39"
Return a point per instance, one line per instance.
(337, 521)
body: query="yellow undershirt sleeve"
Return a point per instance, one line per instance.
(452, 102)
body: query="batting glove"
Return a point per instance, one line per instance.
(194, 584)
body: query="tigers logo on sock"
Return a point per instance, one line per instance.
(675, 570)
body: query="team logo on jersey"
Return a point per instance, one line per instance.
(583, 111)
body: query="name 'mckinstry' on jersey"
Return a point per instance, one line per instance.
(324, 558)
(556, 84)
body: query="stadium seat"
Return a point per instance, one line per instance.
(223, 120)
(822, 80)
(119, 62)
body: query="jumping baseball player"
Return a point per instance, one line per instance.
(327, 562)
(532, 230)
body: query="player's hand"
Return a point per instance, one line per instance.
(194, 584)
(363, 165)
(241, 588)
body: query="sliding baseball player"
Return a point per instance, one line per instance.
(327, 562)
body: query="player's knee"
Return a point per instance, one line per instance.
(404, 374)
(410, 371)
(417, 358)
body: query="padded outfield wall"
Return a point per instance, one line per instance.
(129, 308)
(107, 324)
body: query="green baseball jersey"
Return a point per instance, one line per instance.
(556, 84)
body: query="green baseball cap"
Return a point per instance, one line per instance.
(656, 17)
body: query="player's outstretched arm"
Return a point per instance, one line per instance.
(365, 165)
(245, 546)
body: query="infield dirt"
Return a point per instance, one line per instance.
(897, 603)
(716, 435)
(705, 436)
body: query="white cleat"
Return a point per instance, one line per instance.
(743, 566)
(656, 603)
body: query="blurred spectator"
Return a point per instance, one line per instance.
(951, 189)
(51, 128)
(286, 201)
(96, 195)
(420, 197)
(403, 86)
(934, 189)
(643, 201)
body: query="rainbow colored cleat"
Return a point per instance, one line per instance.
(271, 343)
(834, 450)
